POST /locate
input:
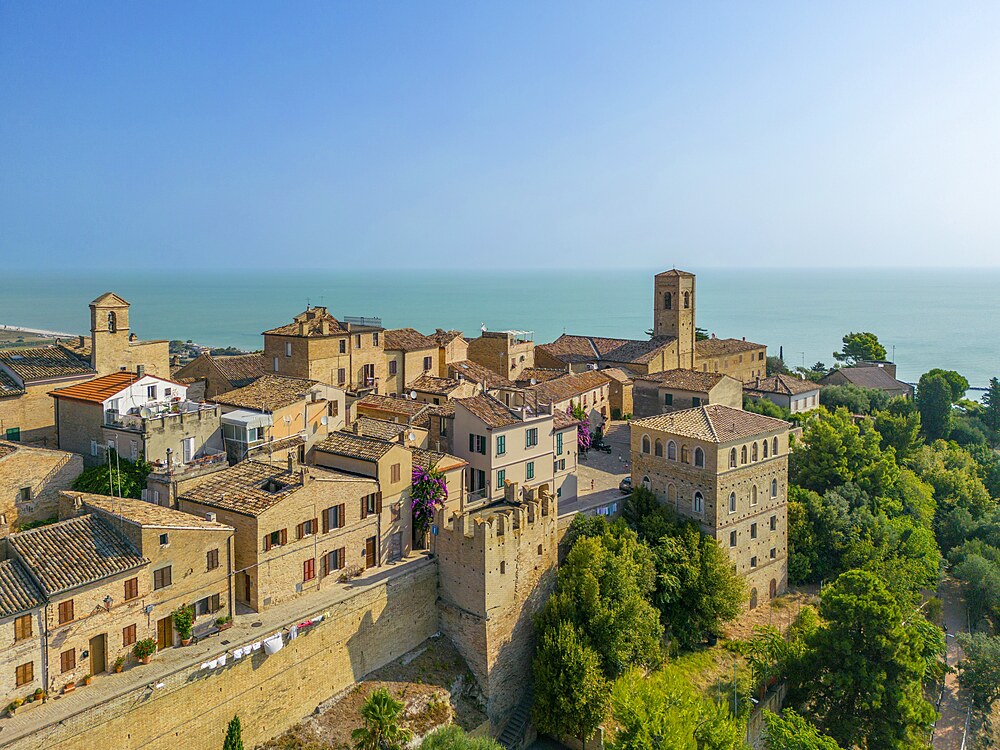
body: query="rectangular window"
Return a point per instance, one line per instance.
(128, 635)
(131, 588)
(774, 552)
(341, 376)
(333, 561)
(65, 611)
(22, 627)
(67, 660)
(396, 473)
(333, 518)
(501, 444)
(501, 476)
(559, 443)
(357, 341)
(24, 673)
(375, 338)
(774, 523)
(668, 399)
(164, 540)
(392, 366)
(275, 363)
(288, 348)
(212, 559)
(753, 562)
(427, 363)
(732, 538)
(162, 578)
(275, 539)
(695, 401)
(151, 392)
(529, 470)
(14, 435)
(531, 437)
(24, 495)
(167, 392)
(307, 528)
(753, 531)
(308, 570)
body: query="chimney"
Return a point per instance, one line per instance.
(291, 461)
(357, 427)
(210, 517)
(304, 474)
(80, 341)
(140, 370)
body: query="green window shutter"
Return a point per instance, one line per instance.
(559, 436)
(482, 445)
(472, 443)
(501, 476)
(530, 470)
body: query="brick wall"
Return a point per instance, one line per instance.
(46, 472)
(34, 413)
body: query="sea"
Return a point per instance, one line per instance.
(926, 318)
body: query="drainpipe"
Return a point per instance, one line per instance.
(43, 634)
(229, 577)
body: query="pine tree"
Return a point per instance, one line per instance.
(991, 414)
(234, 735)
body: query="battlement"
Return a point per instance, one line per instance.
(500, 521)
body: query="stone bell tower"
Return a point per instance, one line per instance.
(673, 312)
(109, 334)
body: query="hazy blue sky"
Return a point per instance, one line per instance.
(227, 135)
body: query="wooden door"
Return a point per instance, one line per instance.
(165, 632)
(98, 654)
(243, 593)
(370, 552)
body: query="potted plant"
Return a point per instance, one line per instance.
(143, 650)
(119, 664)
(224, 623)
(14, 705)
(87, 679)
(184, 622)
(69, 687)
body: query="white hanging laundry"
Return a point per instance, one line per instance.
(213, 664)
(237, 654)
(205, 665)
(293, 632)
(256, 646)
(222, 660)
(274, 644)
(318, 618)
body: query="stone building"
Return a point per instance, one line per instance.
(728, 470)
(30, 482)
(22, 622)
(401, 410)
(674, 390)
(621, 391)
(432, 390)
(453, 469)
(590, 390)
(297, 529)
(880, 376)
(113, 346)
(452, 347)
(738, 358)
(409, 355)
(221, 374)
(497, 566)
(787, 391)
(276, 414)
(136, 414)
(349, 354)
(506, 353)
(26, 377)
(406, 435)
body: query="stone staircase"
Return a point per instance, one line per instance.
(513, 735)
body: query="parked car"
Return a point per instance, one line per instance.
(603, 447)
(625, 485)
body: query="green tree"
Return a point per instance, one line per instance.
(856, 400)
(766, 407)
(934, 400)
(957, 383)
(571, 692)
(980, 579)
(979, 669)
(234, 735)
(789, 731)
(899, 428)
(776, 366)
(118, 476)
(991, 413)
(861, 676)
(381, 714)
(859, 347)
(453, 737)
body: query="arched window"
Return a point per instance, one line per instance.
(671, 495)
(672, 450)
(732, 459)
(753, 495)
(743, 455)
(699, 503)
(658, 448)
(764, 444)
(645, 482)
(685, 458)
(112, 322)
(772, 589)
(774, 488)
(753, 598)
(645, 443)
(774, 447)
(699, 457)
(753, 452)
(687, 300)
(668, 301)
(732, 502)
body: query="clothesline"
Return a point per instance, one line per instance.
(271, 644)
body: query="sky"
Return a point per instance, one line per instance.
(527, 135)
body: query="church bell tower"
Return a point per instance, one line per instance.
(673, 312)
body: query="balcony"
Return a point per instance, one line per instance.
(135, 419)
(196, 464)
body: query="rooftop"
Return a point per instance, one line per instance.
(349, 445)
(539, 375)
(788, 385)
(249, 488)
(380, 428)
(145, 514)
(73, 553)
(18, 593)
(868, 377)
(674, 272)
(714, 347)
(437, 386)
(571, 348)
(9, 386)
(685, 380)
(240, 369)
(475, 372)
(403, 406)
(267, 393)
(638, 351)
(7, 448)
(443, 337)
(407, 340)
(490, 411)
(44, 363)
(99, 389)
(569, 386)
(713, 423)
(314, 322)
(436, 460)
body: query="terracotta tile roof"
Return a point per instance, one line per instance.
(489, 411)
(408, 340)
(249, 488)
(315, 321)
(267, 393)
(241, 369)
(478, 374)
(443, 337)
(713, 423)
(571, 348)
(268, 448)
(569, 386)
(403, 406)
(788, 385)
(18, 593)
(538, 374)
(380, 428)
(685, 380)
(9, 386)
(639, 352)
(437, 386)
(621, 374)
(674, 272)
(146, 514)
(75, 346)
(73, 553)
(436, 460)
(7, 448)
(99, 389)
(561, 420)
(447, 409)
(875, 378)
(348, 444)
(720, 347)
(44, 363)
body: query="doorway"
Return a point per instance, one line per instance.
(98, 653)
(370, 552)
(165, 632)
(244, 588)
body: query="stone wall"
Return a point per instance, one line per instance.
(361, 633)
(46, 472)
(33, 412)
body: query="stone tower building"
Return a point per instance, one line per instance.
(728, 470)
(114, 347)
(673, 312)
(497, 566)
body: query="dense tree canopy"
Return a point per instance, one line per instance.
(454, 737)
(118, 476)
(858, 347)
(789, 731)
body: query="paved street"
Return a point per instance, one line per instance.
(951, 725)
(599, 473)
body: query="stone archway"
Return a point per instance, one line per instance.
(753, 598)
(773, 589)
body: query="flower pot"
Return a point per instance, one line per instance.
(69, 687)
(87, 680)
(185, 641)
(147, 659)
(226, 625)
(119, 668)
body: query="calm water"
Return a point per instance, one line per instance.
(932, 318)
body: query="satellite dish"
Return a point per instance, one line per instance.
(145, 412)
(288, 420)
(413, 395)
(412, 436)
(325, 420)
